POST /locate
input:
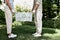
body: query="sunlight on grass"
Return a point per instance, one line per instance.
(17, 23)
(54, 36)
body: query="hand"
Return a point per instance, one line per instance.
(12, 11)
(34, 11)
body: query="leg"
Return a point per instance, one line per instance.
(38, 23)
(8, 15)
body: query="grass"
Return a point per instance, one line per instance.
(25, 32)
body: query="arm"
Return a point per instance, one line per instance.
(9, 5)
(36, 5)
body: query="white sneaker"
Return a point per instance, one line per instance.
(12, 36)
(36, 35)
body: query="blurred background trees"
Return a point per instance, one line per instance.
(2, 16)
(51, 13)
(50, 8)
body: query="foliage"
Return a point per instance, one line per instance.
(2, 17)
(48, 23)
(0, 2)
(50, 8)
(21, 9)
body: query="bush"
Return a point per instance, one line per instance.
(2, 17)
(48, 23)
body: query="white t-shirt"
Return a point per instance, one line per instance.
(11, 2)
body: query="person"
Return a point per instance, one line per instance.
(8, 16)
(37, 9)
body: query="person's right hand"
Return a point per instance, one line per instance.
(33, 11)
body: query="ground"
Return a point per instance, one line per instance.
(25, 32)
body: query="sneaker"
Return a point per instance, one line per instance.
(36, 35)
(12, 36)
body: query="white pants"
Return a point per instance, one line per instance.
(8, 16)
(38, 21)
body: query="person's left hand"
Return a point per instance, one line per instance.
(13, 11)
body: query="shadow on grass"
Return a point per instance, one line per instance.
(25, 32)
(48, 30)
(31, 29)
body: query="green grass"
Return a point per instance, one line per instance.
(25, 32)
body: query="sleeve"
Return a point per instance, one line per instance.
(38, 1)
